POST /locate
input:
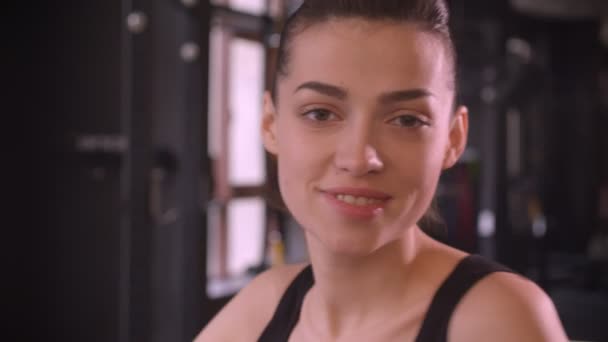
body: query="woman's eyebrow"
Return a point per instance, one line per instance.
(384, 98)
(404, 95)
(324, 88)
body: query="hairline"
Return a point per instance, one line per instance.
(303, 24)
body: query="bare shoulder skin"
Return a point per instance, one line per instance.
(247, 314)
(506, 307)
(500, 307)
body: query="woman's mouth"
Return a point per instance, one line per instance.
(357, 200)
(358, 203)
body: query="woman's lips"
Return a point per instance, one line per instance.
(359, 203)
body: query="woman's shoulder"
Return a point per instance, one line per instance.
(252, 308)
(505, 306)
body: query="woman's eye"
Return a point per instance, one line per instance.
(319, 115)
(408, 121)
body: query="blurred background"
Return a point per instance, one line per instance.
(148, 202)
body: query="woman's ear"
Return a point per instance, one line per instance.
(459, 129)
(269, 114)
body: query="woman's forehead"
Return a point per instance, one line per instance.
(359, 53)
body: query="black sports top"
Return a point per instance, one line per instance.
(435, 325)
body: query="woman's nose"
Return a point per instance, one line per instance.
(357, 155)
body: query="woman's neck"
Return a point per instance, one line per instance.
(348, 290)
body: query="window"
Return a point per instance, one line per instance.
(239, 221)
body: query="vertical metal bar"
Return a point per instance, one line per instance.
(124, 277)
(193, 248)
(486, 224)
(223, 191)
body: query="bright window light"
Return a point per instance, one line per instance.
(246, 221)
(246, 156)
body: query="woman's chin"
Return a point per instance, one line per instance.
(347, 246)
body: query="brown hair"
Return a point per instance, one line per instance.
(430, 15)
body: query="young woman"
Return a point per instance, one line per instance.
(362, 122)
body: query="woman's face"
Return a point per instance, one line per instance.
(362, 128)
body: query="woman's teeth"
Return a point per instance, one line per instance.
(356, 200)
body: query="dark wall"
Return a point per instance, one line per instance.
(75, 245)
(102, 107)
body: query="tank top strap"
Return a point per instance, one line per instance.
(287, 314)
(469, 271)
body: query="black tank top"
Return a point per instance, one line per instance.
(435, 325)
